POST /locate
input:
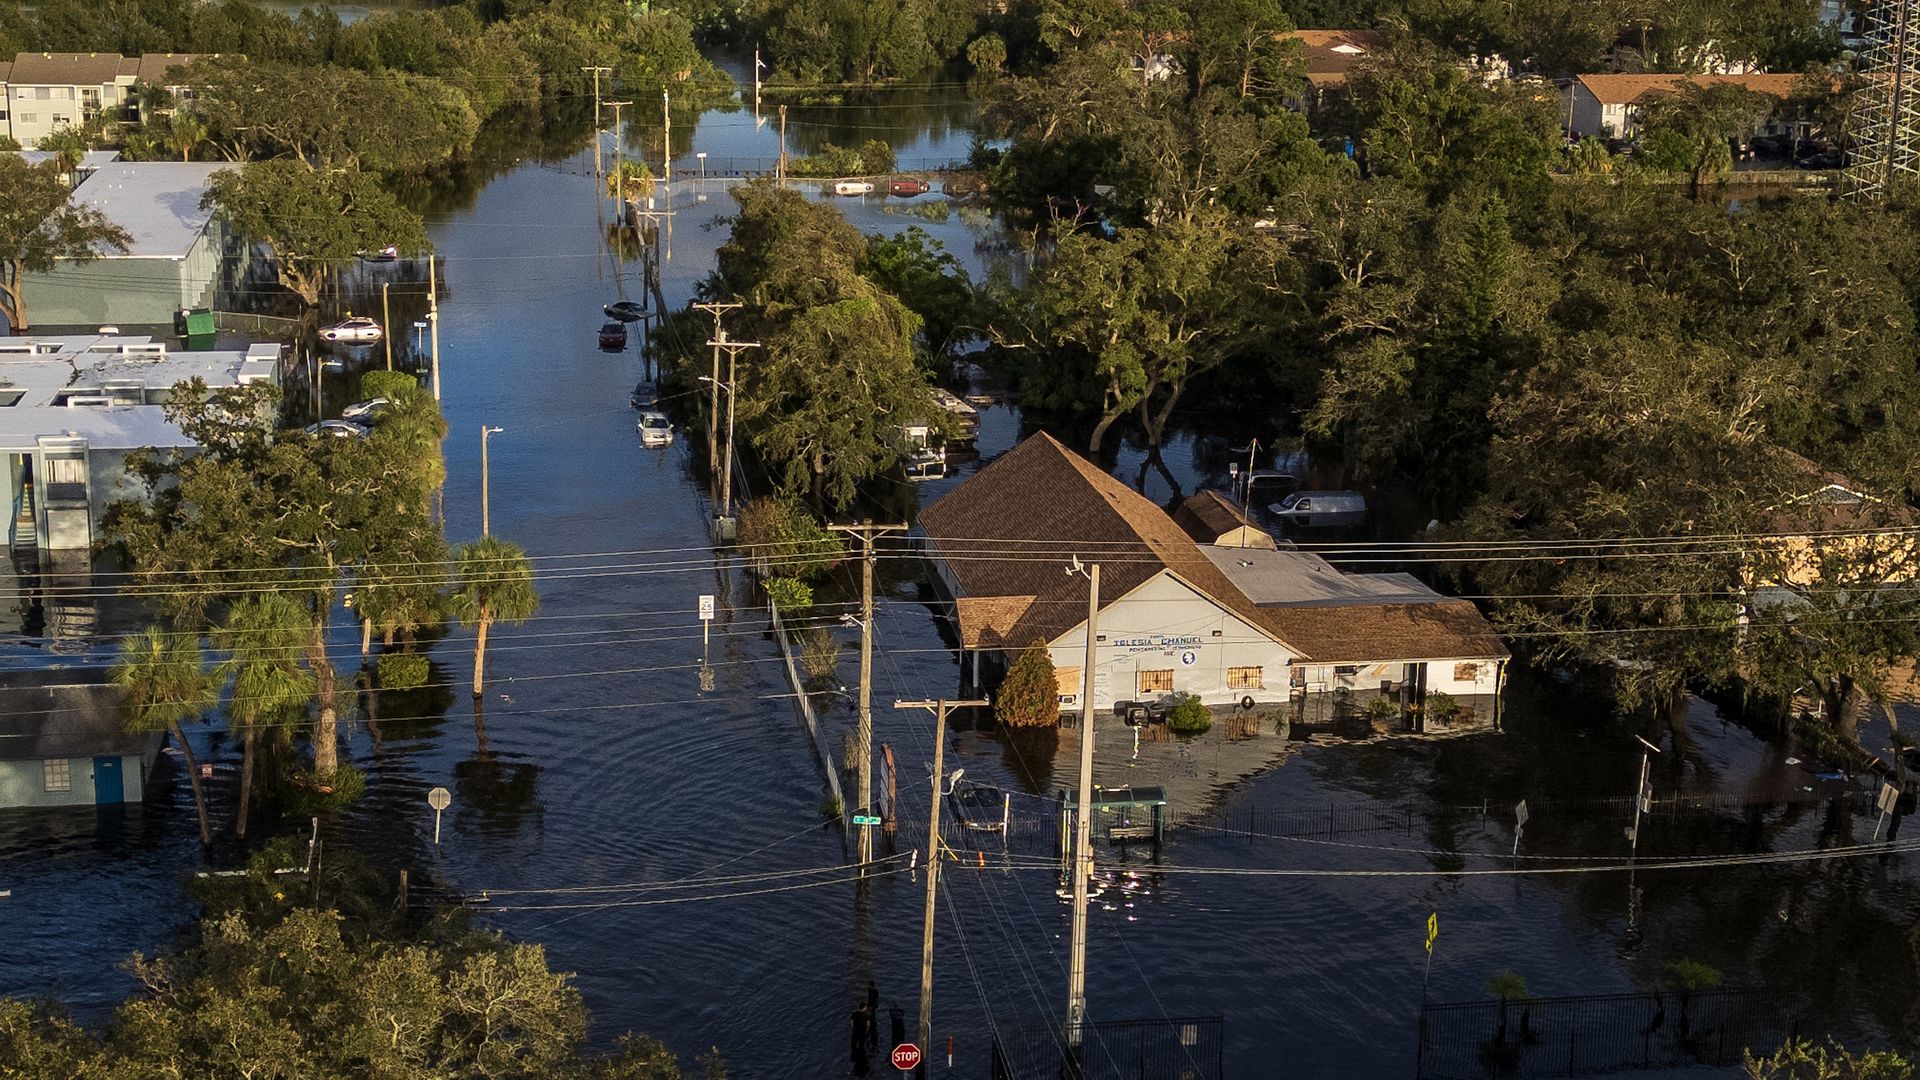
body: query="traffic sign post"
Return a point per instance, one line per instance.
(706, 620)
(439, 798)
(905, 1057)
(1888, 798)
(866, 819)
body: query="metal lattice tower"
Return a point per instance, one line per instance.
(1887, 146)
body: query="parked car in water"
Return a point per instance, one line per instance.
(357, 330)
(365, 411)
(852, 187)
(613, 336)
(626, 310)
(337, 429)
(980, 807)
(908, 188)
(655, 428)
(1320, 509)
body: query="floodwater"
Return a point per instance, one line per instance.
(596, 759)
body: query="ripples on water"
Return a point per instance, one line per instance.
(603, 763)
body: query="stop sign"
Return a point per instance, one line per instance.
(906, 1056)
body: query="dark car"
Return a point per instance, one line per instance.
(981, 807)
(613, 336)
(1831, 159)
(626, 310)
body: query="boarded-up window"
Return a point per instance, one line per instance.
(1156, 682)
(1466, 673)
(56, 775)
(1068, 679)
(1244, 678)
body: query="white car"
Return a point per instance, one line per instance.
(365, 411)
(852, 187)
(655, 429)
(338, 429)
(355, 331)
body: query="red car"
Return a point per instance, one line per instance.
(909, 188)
(613, 336)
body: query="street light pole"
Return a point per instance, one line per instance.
(933, 862)
(1082, 822)
(486, 516)
(733, 348)
(386, 323)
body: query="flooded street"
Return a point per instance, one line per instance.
(653, 835)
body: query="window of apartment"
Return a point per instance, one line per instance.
(11, 397)
(1067, 680)
(1346, 669)
(1245, 678)
(64, 93)
(1155, 682)
(56, 775)
(28, 118)
(44, 93)
(1466, 673)
(59, 120)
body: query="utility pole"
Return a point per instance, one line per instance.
(666, 147)
(866, 532)
(1642, 802)
(1083, 823)
(933, 862)
(716, 309)
(597, 170)
(734, 349)
(486, 515)
(386, 323)
(433, 317)
(781, 172)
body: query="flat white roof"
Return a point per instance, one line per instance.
(89, 161)
(157, 202)
(1298, 578)
(43, 369)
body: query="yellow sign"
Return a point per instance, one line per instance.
(1433, 930)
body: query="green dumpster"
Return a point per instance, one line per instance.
(199, 322)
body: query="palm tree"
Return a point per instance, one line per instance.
(163, 677)
(496, 585)
(1507, 986)
(630, 181)
(67, 145)
(263, 637)
(185, 131)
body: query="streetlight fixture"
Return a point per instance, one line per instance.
(486, 523)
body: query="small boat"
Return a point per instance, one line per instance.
(655, 429)
(907, 189)
(357, 330)
(626, 310)
(852, 187)
(613, 336)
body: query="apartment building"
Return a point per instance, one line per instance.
(44, 92)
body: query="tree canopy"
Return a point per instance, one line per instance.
(40, 226)
(313, 218)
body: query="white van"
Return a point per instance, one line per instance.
(1320, 509)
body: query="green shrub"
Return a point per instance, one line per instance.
(829, 807)
(401, 671)
(1383, 709)
(876, 157)
(1188, 716)
(1030, 694)
(819, 653)
(1441, 706)
(1690, 975)
(778, 536)
(788, 594)
(831, 160)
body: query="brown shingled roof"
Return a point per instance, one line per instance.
(65, 69)
(1208, 515)
(987, 621)
(1003, 532)
(1368, 633)
(1330, 54)
(1634, 89)
(152, 67)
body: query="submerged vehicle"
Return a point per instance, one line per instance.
(655, 429)
(981, 807)
(1320, 509)
(358, 330)
(852, 187)
(613, 336)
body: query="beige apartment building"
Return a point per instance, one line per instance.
(41, 93)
